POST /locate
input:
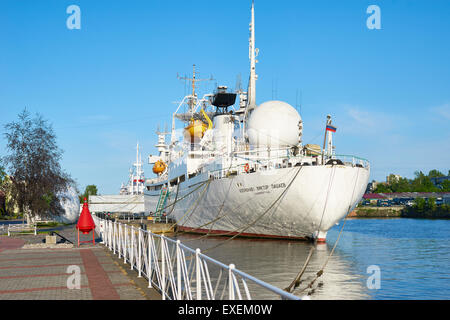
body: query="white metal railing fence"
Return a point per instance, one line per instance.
(177, 271)
(353, 160)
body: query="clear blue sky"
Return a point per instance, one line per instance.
(108, 85)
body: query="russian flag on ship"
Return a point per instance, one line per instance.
(331, 128)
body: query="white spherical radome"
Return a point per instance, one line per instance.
(274, 124)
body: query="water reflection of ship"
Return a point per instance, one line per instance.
(278, 263)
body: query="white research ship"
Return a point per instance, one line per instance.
(244, 171)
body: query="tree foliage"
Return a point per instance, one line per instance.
(2, 190)
(420, 183)
(2, 178)
(445, 186)
(435, 174)
(33, 164)
(426, 208)
(91, 190)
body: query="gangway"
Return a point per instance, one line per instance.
(162, 200)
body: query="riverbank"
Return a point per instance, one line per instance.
(441, 212)
(376, 212)
(436, 212)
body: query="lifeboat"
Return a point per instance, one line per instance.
(159, 167)
(196, 129)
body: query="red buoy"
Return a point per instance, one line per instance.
(85, 223)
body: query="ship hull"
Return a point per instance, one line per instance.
(290, 203)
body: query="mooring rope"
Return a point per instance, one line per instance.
(183, 197)
(294, 284)
(321, 271)
(328, 195)
(257, 219)
(297, 280)
(197, 201)
(175, 201)
(220, 217)
(218, 212)
(234, 211)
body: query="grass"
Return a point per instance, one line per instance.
(48, 224)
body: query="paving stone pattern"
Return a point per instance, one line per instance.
(39, 273)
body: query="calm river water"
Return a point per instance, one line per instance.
(413, 256)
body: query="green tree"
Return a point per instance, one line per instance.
(2, 177)
(382, 188)
(401, 185)
(91, 190)
(435, 174)
(432, 203)
(422, 183)
(445, 186)
(2, 190)
(33, 164)
(419, 204)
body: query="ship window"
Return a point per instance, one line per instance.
(192, 175)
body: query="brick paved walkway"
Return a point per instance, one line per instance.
(42, 274)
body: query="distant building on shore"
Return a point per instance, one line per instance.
(371, 186)
(393, 178)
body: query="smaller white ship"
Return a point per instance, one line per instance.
(131, 198)
(136, 180)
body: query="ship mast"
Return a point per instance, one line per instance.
(137, 180)
(253, 53)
